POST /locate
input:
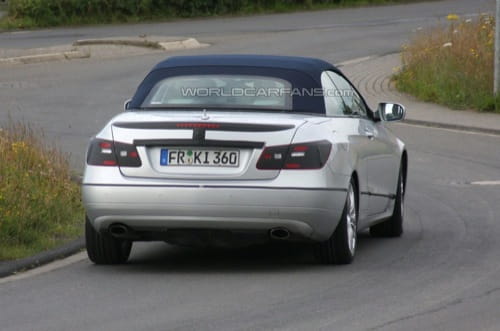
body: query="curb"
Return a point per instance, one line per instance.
(465, 128)
(42, 258)
(124, 42)
(8, 268)
(167, 45)
(59, 56)
(189, 43)
(441, 123)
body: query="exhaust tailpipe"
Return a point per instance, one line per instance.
(279, 233)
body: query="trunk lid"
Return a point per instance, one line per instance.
(194, 145)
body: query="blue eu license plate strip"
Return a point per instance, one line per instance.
(164, 157)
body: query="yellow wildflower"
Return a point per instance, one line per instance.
(18, 146)
(452, 17)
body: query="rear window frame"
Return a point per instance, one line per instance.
(298, 78)
(287, 105)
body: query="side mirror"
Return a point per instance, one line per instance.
(390, 112)
(126, 104)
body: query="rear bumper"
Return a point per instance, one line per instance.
(310, 213)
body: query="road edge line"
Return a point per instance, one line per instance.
(31, 262)
(455, 127)
(355, 61)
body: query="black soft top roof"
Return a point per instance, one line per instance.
(311, 66)
(301, 72)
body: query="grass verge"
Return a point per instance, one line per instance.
(452, 65)
(40, 205)
(29, 14)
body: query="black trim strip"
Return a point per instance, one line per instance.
(242, 127)
(390, 196)
(200, 143)
(277, 188)
(228, 187)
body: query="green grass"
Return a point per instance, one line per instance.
(452, 65)
(40, 205)
(24, 14)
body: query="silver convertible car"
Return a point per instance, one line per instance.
(240, 149)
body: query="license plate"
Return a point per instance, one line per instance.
(199, 157)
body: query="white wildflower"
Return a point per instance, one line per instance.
(448, 44)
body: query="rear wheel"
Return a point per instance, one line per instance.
(102, 248)
(340, 248)
(393, 227)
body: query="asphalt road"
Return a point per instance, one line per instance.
(443, 274)
(71, 100)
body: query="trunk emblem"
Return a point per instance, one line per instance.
(204, 115)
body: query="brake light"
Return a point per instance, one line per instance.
(198, 125)
(111, 154)
(311, 155)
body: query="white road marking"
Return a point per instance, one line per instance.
(45, 268)
(449, 130)
(27, 31)
(354, 61)
(486, 182)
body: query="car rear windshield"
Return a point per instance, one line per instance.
(220, 91)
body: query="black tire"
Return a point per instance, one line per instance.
(393, 227)
(102, 248)
(340, 248)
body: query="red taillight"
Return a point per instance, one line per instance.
(106, 153)
(312, 155)
(300, 148)
(127, 155)
(105, 144)
(109, 163)
(292, 166)
(272, 158)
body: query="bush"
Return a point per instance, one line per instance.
(40, 205)
(41, 13)
(452, 64)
